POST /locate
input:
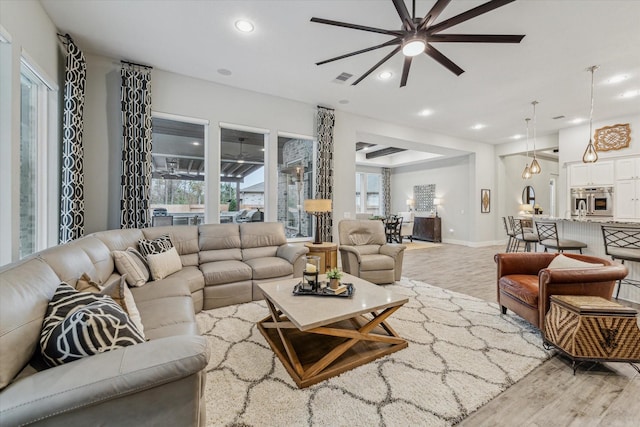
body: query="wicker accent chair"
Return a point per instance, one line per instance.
(365, 253)
(525, 283)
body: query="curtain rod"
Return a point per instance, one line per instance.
(326, 108)
(136, 64)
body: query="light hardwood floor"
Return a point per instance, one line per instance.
(597, 395)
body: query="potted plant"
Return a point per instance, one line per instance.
(334, 275)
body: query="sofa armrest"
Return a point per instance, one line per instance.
(522, 263)
(102, 377)
(392, 250)
(351, 250)
(291, 252)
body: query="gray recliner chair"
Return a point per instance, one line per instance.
(365, 253)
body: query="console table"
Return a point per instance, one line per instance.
(427, 228)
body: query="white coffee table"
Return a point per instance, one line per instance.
(316, 337)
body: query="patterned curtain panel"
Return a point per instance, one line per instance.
(72, 179)
(136, 146)
(386, 191)
(324, 182)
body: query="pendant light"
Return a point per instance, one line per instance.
(526, 173)
(535, 166)
(590, 155)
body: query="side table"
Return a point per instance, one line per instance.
(328, 253)
(587, 328)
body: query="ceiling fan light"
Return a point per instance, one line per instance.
(413, 46)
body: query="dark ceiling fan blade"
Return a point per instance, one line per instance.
(443, 60)
(475, 38)
(407, 21)
(357, 52)
(372, 69)
(357, 27)
(433, 14)
(469, 14)
(405, 70)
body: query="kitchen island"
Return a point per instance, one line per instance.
(589, 231)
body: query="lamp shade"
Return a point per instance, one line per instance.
(317, 205)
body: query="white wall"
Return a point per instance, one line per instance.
(30, 32)
(451, 177)
(514, 184)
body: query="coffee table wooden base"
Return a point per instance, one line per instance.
(317, 354)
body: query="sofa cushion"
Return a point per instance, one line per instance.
(168, 316)
(376, 262)
(80, 324)
(220, 272)
(523, 287)
(270, 267)
(167, 287)
(132, 264)
(563, 261)
(25, 291)
(183, 237)
(163, 264)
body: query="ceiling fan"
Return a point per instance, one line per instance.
(417, 35)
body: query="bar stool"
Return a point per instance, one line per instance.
(548, 233)
(512, 239)
(622, 243)
(526, 237)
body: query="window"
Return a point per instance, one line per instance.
(295, 184)
(34, 134)
(368, 197)
(242, 190)
(178, 172)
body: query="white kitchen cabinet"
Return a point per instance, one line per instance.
(627, 198)
(627, 193)
(628, 168)
(591, 174)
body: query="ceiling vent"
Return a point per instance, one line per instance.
(558, 117)
(343, 77)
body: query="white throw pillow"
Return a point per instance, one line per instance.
(132, 264)
(562, 261)
(164, 264)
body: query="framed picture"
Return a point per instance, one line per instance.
(485, 200)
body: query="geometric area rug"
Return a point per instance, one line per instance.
(462, 353)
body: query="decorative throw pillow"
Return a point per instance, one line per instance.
(164, 264)
(118, 291)
(155, 246)
(80, 324)
(132, 264)
(562, 261)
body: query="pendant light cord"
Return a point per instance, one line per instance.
(534, 128)
(593, 69)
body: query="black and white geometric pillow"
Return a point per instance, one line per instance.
(80, 324)
(155, 246)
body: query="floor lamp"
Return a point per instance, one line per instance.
(317, 207)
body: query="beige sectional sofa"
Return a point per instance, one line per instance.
(161, 381)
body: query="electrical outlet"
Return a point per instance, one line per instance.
(461, 211)
(451, 231)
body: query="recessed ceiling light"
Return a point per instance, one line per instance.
(630, 94)
(244, 26)
(577, 120)
(617, 79)
(224, 71)
(517, 136)
(238, 176)
(478, 126)
(240, 161)
(195, 143)
(385, 75)
(343, 101)
(425, 113)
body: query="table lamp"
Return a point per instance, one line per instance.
(436, 202)
(317, 207)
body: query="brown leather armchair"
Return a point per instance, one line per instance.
(525, 284)
(365, 253)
